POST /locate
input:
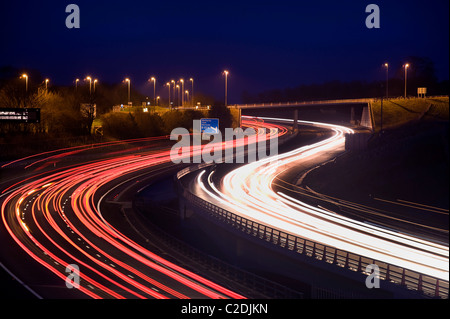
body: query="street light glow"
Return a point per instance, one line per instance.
(406, 75)
(129, 82)
(192, 93)
(154, 88)
(226, 87)
(182, 90)
(90, 83)
(25, 76)
(387, 80)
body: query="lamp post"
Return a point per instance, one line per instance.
(406, 74)
(46, 84)
(386, 65)
(174, 91)
(25, 76)
(182, 90)
(192, 93)
(178, 95)
(76, 84)
(154, 89)
(168, 85)
(95, 81)
(226, 86)
(90, 83)
(129, 82)
(187, 96)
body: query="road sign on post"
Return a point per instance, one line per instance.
(20, 115)
(209, 126)
(421, 92)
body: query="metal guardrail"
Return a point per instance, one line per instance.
(252, 285)
(427, 285)
(324, 102)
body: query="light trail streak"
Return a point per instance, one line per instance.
(247, 191)
(63, 225)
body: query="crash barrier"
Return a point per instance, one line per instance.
(423, 284)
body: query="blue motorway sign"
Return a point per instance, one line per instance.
(209, 126)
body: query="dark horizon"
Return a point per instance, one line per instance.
(264, 45)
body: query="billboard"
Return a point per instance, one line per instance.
(20, 115)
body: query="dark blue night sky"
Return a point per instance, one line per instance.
(264, 44)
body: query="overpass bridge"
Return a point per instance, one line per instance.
(349, 111)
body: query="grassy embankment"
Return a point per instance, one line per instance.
(398, 112)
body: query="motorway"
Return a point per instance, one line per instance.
(51, 209)
(248, 191)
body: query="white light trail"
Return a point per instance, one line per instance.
(247, 191)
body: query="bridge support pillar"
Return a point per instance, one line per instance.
(352, 115)
(240, 117)
(295, 126)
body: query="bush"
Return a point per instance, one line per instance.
(119, 125)
(174, 119)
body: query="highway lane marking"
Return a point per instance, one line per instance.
(359, 207)
(415, 207)
(20, 281)
(432, 207)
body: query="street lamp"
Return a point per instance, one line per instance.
(178, 95)
(168, 85)
(76, 84)
(226, 86)
(386, 65)
(25, 76)
(95, 81)
(128, 80)
(406, 73)
(90, 83)
(174, 90)
(157, 100)
(154, 89)
(182, 90)
(46, 84)
(192, 93)
(187, 95)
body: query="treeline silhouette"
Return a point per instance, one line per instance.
(421, 73)
(66, 122)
